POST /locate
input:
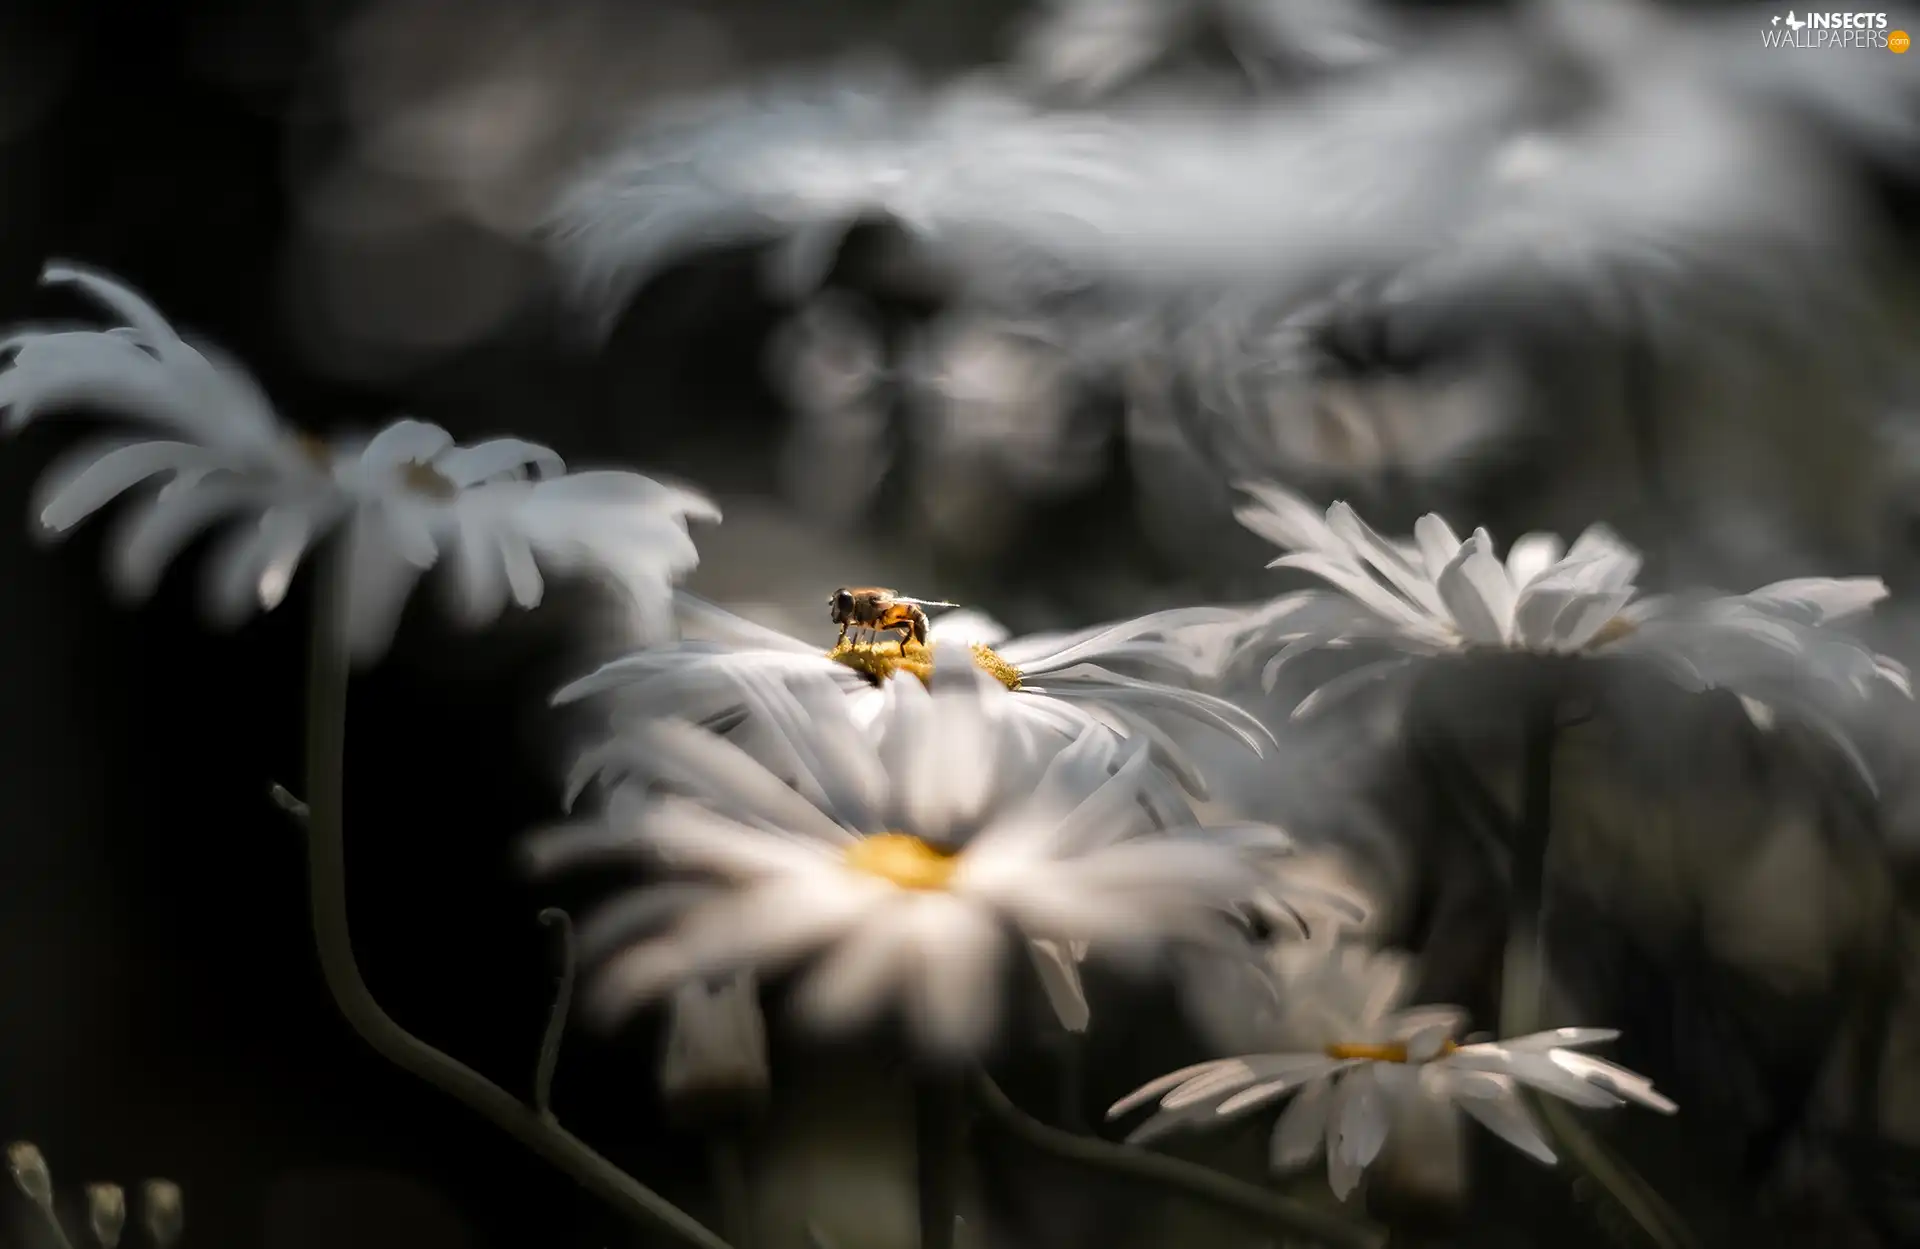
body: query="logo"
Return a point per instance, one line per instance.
(1833, 29)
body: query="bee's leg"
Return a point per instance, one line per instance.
(843, 636)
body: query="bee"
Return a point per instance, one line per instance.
(869, 607)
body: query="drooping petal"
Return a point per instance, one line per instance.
(92, 476)
(764, 927)
(1301, 1132)
(1059, 973)
(850, 983)
(1819, 600)
(1615, 1079)
(955, 1008)
(1493, 1100)
(153, 532)
(486, 461)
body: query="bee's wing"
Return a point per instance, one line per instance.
(921, 602)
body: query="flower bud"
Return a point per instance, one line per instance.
(30, 1173)
(715, 1066)
(162, 1212)
(106, 1213)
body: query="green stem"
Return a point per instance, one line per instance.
(327, 881)
(1523, 984)
(1071, 1056)
(1262, 1209)
(940, 1130)
(732, 1193)
(556, 1028)
(54, 1226)
(1523, 980)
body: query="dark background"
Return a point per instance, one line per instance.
(163, 1014)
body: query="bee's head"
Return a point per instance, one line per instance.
(841, 606)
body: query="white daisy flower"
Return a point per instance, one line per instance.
(903, 861)
(1441, 595)
(1063, 683)
(1369, 1066)
(498, 510)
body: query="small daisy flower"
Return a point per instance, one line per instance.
(403, 498)
(1062, 682)
(1368, 1065)
(898, 866)
(1441, 595)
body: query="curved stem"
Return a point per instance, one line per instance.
(940, 1148)
(1260, 1207)
(549, 1061)
(1524, 978)
(327, 882)
(733, 1192)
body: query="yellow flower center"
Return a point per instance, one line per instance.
(1612, 631)
(314, 450)
(425, 479)
(1392, 1052)
(422, 479)
(903, 860)
(879, 661)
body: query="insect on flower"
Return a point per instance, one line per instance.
(882, 611)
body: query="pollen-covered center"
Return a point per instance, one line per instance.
(1391, 1052)
(314, 450)
(879, 661)
(1612, 631)
(425, 479)
(903, 860)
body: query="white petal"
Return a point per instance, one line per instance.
(939, 750)
(379, 582)
(1493, 1100)
(762, 927)
(90, 477)
(1160, 1085)
(1532, 554)
(1389, 562)
(1357, 585)
(954, 1004)
(1060, 979)
(1622, 1083)
(154, 531)
(1343, 1168)
(1361, 1128)
(1475, 588)
(405, 441)
(485, 461)
(1820, 600)
(851, 982)
(1438, 543)
(1302, 1130)
(690, 835)
(1619, 563)
(1559, 1038)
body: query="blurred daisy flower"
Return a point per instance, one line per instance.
(1365, 1066)
(405, 497)
(901, 860)
(1062, 682)
(1090, 48)
(1439, 595)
